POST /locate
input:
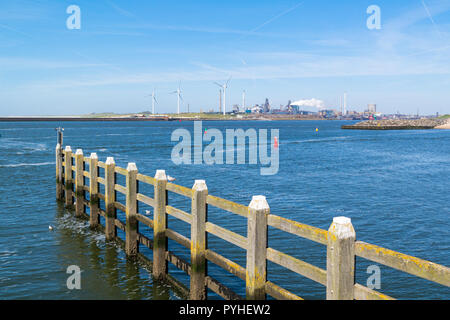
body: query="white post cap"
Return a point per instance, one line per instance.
(259, 203)
(200, 185)
(131, 166)
(110, 160)
(160, 175)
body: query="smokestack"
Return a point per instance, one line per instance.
(243, 100)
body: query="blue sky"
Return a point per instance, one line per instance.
(281, 50)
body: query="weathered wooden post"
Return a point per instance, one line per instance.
(160, 225)
(59, 173)
(94, 217)
(256, 275)
(199, 211)
(79, 182)
(60, 135)
(131, 231)
(110, 199)
(341, 260)
(68, 180)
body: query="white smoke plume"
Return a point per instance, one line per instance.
(319, 104)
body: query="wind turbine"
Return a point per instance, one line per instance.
(178, 92)
(153, 101)
(153, 95)
(224, 87)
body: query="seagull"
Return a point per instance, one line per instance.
(147, 212)
(169, 178)
(50, 228)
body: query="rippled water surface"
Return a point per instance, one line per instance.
(394, 185)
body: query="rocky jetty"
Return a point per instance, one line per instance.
(397, 124)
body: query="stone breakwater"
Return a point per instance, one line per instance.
(397, 124)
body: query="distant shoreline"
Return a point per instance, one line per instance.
(59, 119)
(150, 118)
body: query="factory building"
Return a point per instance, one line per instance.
(372, 108)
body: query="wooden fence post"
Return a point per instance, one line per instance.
(60, 135)
(59, 173)
(131, 231)
(79, 182)
(256, 274)
(341, 260)
(110, 199)
(94, 217)
(68, 180)
(199, 211)
(159, 227)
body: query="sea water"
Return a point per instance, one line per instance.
(394, 185)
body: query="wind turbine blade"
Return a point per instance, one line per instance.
(228, 81)
(218, 84)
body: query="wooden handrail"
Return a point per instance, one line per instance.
(227, 205)
(227, 235)
(298, 266)
(409, 264)
(298, 229)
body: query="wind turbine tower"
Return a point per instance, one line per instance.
(220, 100)
(345, 103)
(243, 100)
(179, 97)
(153, 101)
(224, 87)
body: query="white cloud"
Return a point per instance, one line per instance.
(319, 104)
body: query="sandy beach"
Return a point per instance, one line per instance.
(444, 126)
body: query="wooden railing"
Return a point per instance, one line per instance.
(340, 239)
